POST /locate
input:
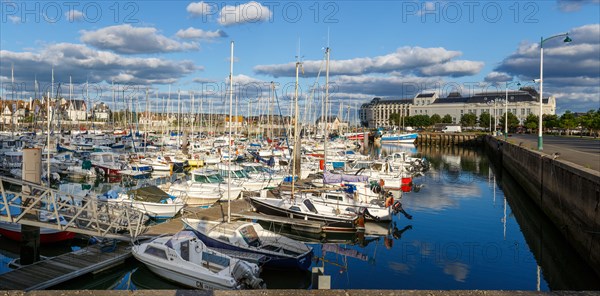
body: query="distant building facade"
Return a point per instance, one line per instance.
(521, 103)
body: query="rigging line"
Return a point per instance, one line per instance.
(280, 117)
(311, 97)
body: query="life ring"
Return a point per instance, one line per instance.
(381, 183)
(196, 156)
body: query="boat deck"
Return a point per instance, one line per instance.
(55, 270)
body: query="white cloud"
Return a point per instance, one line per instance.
(403, 60)
(200, 8)
(127, 39)
(14, 19)
(193, 33)
(497, 77)
(574, 5)
(82, 62)
(453, 68)
(251, 12)
(573, 65)
(74, 15)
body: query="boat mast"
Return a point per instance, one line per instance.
(326, 128)
(296, 150)
(229, 140)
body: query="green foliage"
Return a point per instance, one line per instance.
(485, 120)
(394, 119)
(447, 119)
(568, 121)
(468, 119)
(531, 122)
(550, 121)
(513, 121)
(417, 120)
(435, 119)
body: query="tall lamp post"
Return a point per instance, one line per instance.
(566, 40)
(506, 109)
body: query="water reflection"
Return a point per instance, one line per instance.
(464, 235)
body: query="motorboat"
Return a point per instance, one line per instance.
(185, 259)
(151, 200)
(242, 236)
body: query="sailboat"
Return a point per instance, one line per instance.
(296, 204)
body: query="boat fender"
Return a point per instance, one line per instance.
(389, 201)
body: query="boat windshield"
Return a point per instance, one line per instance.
(251, 169)
(237, 174)
(107, 158)
(208, 178)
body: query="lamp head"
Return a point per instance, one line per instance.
(567, 39)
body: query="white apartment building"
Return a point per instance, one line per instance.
(521, 103)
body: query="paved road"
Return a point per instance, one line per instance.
(582, 151)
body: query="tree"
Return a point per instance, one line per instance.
(420, 120)
(513, 121)
(394, 119)
(447, 119)
(485, 120)
(549, 121)
(468, 119)
(531, 122)
(568, 121)
(587, 120)
(435, 119)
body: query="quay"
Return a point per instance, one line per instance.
(298, 293)
(444, 140)
(561, 184)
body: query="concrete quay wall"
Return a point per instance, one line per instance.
(567, 193)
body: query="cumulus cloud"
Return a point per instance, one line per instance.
(251, 12)
(193, 33)
(453, 68)
(572, 65)
(494, 77)
(574, 5)
(14, 19)
(126, 39)
(200, 8)
(74, 15)
(418, 60)
(82, 63)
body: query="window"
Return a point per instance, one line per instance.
(295, 208)
(522, 111)
(150, 250)
(310, 206)
(528, 111)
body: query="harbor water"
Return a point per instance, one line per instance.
(472, 227)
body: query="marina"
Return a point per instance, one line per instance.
(298, 148)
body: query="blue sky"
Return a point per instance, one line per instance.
(388, 49)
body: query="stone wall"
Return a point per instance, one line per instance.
(567, 193)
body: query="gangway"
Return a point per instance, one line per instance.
(27, 203)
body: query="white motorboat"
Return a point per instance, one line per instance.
(151, 200)
(243, 236)
(205, 188)
(185, 259)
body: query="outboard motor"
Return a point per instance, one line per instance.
(397, 208)
(247, 274)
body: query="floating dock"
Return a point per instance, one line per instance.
(50, 272)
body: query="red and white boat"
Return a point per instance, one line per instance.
(107, 163)
(354, 136)
(47, 235)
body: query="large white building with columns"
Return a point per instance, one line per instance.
(521, 103)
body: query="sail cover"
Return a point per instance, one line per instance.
(329, 178)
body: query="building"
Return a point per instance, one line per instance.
(76, 110)
(521, 103)
(333, 124)
(377, 112)
(101, 112)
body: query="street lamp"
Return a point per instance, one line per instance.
(566, 40)
(506, 109)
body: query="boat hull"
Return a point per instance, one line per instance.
(332, 224)
(12, 231)
(278, 262)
